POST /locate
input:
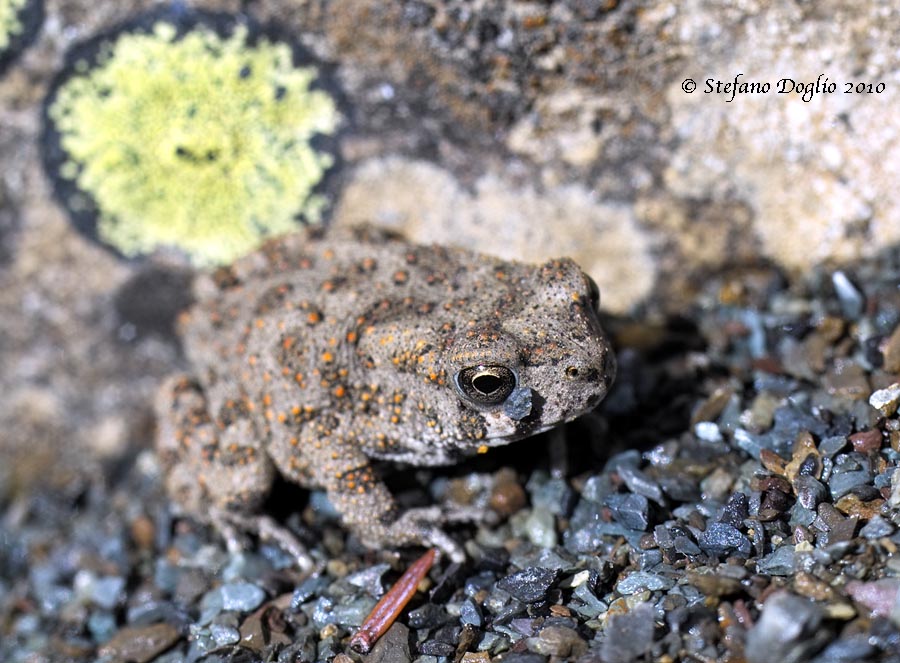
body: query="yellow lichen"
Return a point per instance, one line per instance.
(194, 140)
(10, 21)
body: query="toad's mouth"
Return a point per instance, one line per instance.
(515, 432)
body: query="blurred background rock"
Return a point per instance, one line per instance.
(526, 129)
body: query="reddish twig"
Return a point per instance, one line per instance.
(388, 608)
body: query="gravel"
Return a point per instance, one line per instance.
(735, 498)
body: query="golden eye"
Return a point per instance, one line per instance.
(486, 385)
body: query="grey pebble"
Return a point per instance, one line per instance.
(224, 635)
(554, 495)
(844, 482)
(312, 586)
(369, 579)
(721, 539)
(437, 648)
(628, 637)
(810, 491)
(241, 596)
(781, 562)
(640, 580)
(831, 445)
(102, 625)
(685, 546)
(530, 585)
(392, 647)
(787, 630)
(428, 616)
(470, 613)
(640, 483)
(877, 528)
(851, 649)
(630, 510)
(106, 592)
(851, 299)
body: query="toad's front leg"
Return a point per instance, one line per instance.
(369, 509)
(366, 505)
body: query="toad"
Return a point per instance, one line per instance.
(317, 355)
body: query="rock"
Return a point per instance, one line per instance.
(428, 615)
(558, 641)
(721, 539)
(810, 492)
(470, 613)
(847, 650)
(435, 648)
(530, 585)
(641, 484)
(852, 301)
(476, 657)
(140, 644)
(881, 596)
(846, 379)
(891, 352)
(630, 510)
(886, 400)
(876, 528)
(866, 441)
(779, 563)
(241, 596)
(639, 581)
(786, 631)
(629, 636)
(392, 647)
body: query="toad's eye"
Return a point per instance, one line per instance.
(485, 385)
(594, 292)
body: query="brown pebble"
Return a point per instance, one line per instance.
(846, 379)
(560, 610)
(267, 626)
(768, 364)
(772, 461)
(342, 658)
(866, 441)
(507, 495)
(811, 587)
(831, 328)
(711, 408)
(711, 584)
(143, 532)
(476, 657)
(891, 352)
(805, 458)
(140, 644)
(559, 641)
(802, 534)
(815, 348)
(851, 505)
(763, 483)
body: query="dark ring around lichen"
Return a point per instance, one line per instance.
(29, 17)
(81, 206)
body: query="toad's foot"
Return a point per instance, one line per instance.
(422, 526)
(230, 525)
